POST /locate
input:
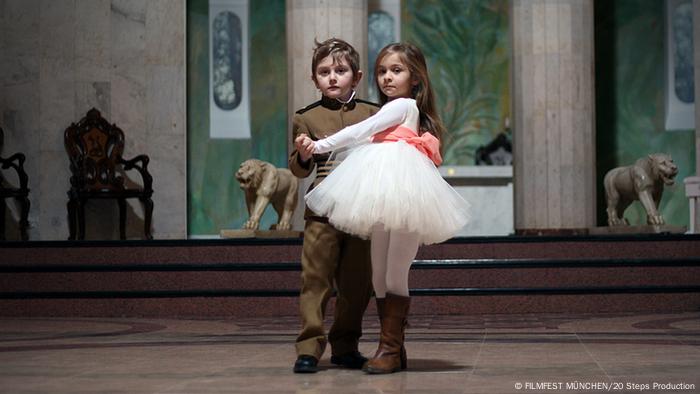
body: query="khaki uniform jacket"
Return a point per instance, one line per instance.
(330, 258)
(319, 120)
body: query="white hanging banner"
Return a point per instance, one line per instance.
(229, 94)
(680, 67)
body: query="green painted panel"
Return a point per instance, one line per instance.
(215, 201)
(630, 109)
(467, 46)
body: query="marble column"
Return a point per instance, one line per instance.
(309, 20)
(692, 183)
(553, 111)
(696, 50)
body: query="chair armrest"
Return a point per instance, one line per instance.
(18, 167)
(142, 169)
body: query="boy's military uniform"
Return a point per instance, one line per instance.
(330, 258)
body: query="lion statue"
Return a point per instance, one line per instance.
(643, 181)
(264, 184)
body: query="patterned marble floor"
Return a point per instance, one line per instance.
(534, 353)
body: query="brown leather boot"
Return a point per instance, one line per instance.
(391, 354)
(380, 313)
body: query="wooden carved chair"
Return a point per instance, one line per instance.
(97, 172)
(20, 194)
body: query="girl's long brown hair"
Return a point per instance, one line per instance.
(413, 58)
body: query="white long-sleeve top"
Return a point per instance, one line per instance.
(397, 112)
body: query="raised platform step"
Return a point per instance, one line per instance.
(261, 277)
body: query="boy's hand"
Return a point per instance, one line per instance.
(305, 146)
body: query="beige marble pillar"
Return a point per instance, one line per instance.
(692, 183)
(696, 50)
(553, 114)
(309, 20)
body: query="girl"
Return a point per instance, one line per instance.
(389, 189)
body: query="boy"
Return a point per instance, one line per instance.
(330, 257)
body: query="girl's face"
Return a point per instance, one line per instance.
(394, 78)
(335, 79)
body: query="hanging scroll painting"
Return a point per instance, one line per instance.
(229, 98)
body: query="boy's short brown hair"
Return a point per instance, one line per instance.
(338, 49)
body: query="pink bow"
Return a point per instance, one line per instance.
(427, 143)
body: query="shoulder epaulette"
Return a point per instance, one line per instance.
(367, 102)
(308, 107)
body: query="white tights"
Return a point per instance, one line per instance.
(392, 255)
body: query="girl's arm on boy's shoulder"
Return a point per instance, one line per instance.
(391, 114)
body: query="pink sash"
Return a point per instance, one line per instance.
(427, 144)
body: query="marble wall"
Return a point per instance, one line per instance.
(59, 58)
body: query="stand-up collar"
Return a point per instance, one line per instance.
(334, 104)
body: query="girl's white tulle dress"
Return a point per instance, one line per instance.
(393, 183)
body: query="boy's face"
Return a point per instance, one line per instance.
(335, 79)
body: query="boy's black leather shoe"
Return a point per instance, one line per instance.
(352, 360)
(306, 364)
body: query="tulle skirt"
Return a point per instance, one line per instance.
(392, 184)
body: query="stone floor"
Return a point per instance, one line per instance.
(535, 353)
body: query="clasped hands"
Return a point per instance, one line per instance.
(305, 146)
